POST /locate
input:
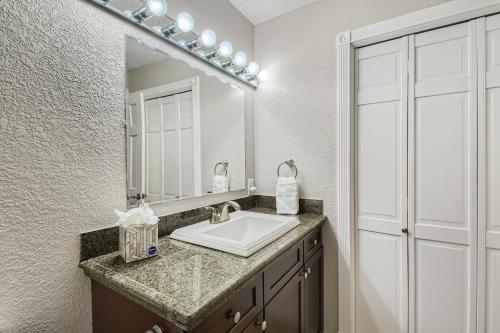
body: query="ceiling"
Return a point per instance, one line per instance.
(259, 11)
(139, 55)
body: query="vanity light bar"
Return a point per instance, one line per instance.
(220, 56)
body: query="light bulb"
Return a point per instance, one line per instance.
(208, 38)
(263, 75)
(225, 49)
(240, 59)
(253, 68)
(185, 22)
(157, 7)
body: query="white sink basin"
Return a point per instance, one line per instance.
(244, 234)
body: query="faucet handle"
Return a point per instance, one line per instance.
(214, 216)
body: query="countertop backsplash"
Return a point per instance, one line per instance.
(103, 241)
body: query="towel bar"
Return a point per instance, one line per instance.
(224, 164)
(291, 164)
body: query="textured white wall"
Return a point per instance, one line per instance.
(62, 153)
(295, 109)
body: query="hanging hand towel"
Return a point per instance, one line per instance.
(220, 184)
(287, 195)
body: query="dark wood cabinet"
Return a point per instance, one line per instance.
(286, 296)
(313, 299)
(285, 312)
(112, 312)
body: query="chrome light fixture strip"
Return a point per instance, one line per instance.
(238, 74)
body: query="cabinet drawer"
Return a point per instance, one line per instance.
(282, 269)
(238, 312)
(312, 242)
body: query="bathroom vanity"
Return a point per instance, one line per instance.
(188, 288)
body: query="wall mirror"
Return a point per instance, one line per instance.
(185, 129)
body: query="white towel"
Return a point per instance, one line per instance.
(287, 195)
(220, 184)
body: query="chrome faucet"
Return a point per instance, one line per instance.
(221, 213)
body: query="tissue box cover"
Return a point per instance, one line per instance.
(138, 241)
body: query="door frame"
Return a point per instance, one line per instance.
(192, 84)
(430, 18)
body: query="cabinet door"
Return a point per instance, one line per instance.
(443, 180)
(112, 312)
(313, 304)
(285, 312)
(380, 186)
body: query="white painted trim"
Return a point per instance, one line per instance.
(473, 171)
(345, 229)
(195, 89)
(411, 184)
(143, 143)
(481, 177)
(448, 13)
(425, 19)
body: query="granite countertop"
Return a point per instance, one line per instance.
(184, 283)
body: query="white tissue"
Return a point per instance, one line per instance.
(137, 216)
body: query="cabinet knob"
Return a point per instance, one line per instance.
(315, 242)
(235, 316)
(155, 329)
(404, 230)
(261, 323)
(304, 274)
(309, 271)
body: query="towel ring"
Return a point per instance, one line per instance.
(291, 164)
(224, 164)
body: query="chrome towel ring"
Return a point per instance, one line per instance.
(291, 165)
(224, 164)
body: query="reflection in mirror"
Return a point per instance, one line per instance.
(185, 129)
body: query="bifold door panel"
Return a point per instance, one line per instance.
(381, 150)
(442, 181)
(416, 183)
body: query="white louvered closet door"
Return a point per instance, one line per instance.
(170, 147)
(442, 185)
(489, 174)
(381, 177)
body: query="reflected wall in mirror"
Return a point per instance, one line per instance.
(185, 129)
